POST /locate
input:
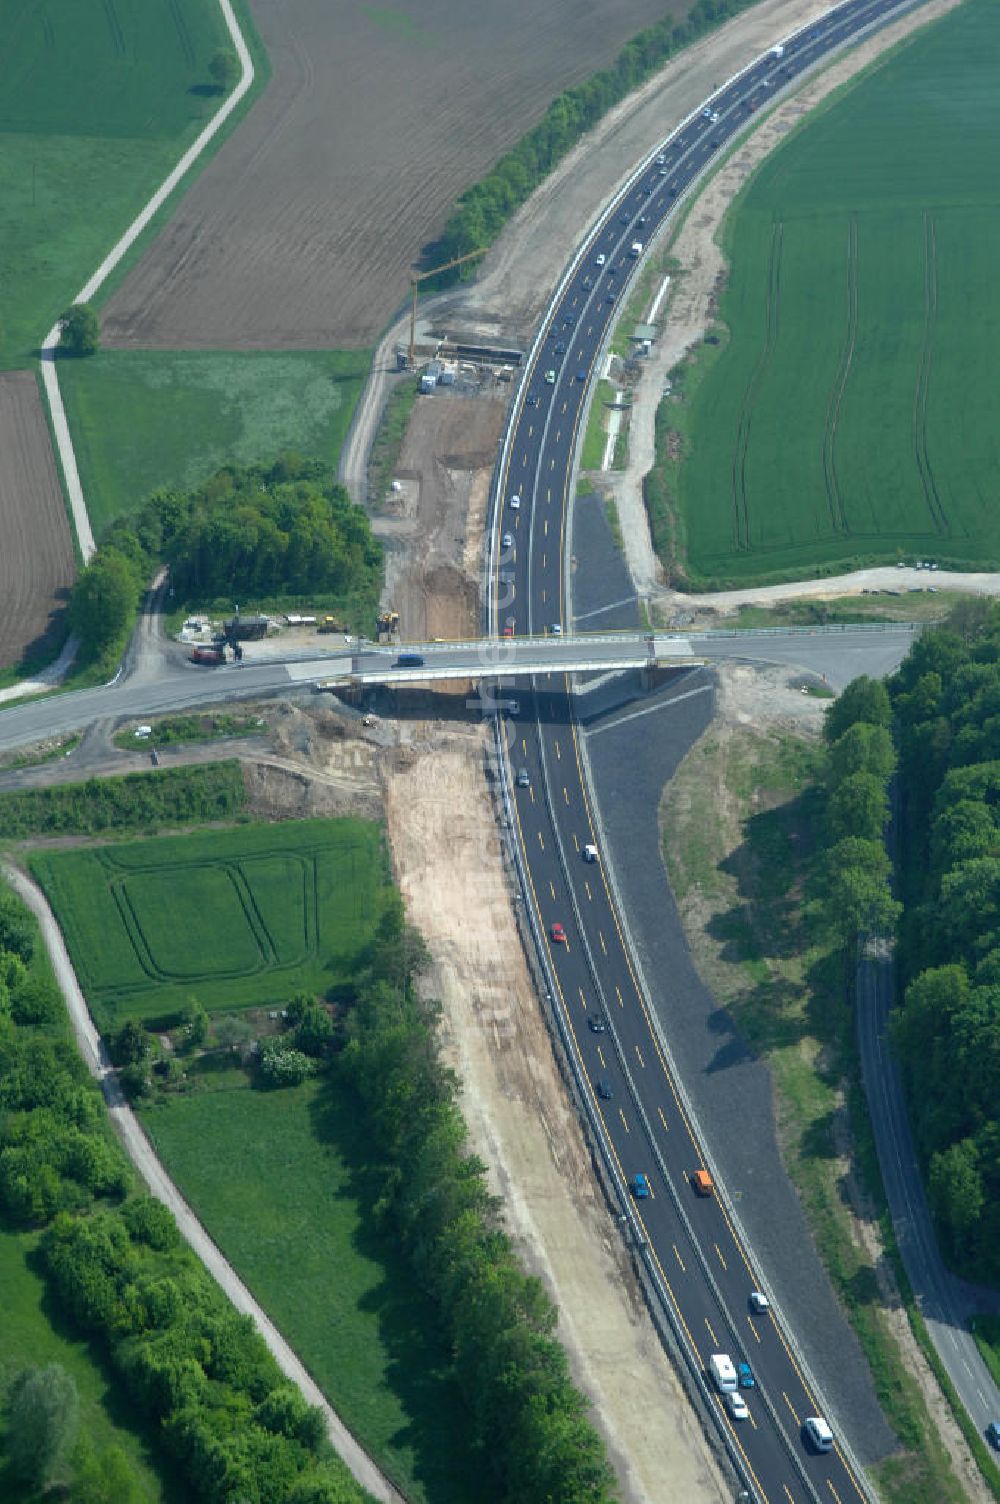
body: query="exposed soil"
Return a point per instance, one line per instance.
(301, 231)
(433, 535)
(446, 853)
(37, 566)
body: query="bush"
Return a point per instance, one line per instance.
(282, 1065)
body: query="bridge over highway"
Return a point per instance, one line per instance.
(523, 657)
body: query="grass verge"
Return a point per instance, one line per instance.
(175, 730)
(738, 821)
(284, 1182)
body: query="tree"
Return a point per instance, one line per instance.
(107, 1479)
(856, 898)
(955, 1193)
(865, 700)
(44, 1413)
(224, 68)
(104, 601)
(79, 330)
(314, 1031)
(858, 807)
(863, 748)
(195, 1026)
(130, 1045)
(17, 928)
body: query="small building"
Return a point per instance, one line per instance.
(431, 376)
(246, 628)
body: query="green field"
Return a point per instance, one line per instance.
(96, 105)
(853, 414)
(145, 420)
(284, 1182)
(230, 918)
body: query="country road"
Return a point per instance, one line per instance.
(141, 1153)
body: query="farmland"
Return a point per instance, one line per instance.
(146, 420)
(852, 416)
(95, 108)
(234, 918)
(300, 233)
(284, 1184)
(36, 548)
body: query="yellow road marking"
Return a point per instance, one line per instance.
(558, 435)
(788, 1494)
(753, 1328)
(679, 1259)
(582, 998)
(663, 1119)
(600, 1056)
(833, 1491)
(566, 793)
(639, 1053)
(600, 936)
(544, 561)
(576, 843)
(621, 1114)
(791, 1407)
(621, 1000)
(552, 890)
(544, 596)
(714, 1338)
(714, 1245)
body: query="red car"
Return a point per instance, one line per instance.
(558, 935)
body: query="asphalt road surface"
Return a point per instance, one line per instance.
(700, 1262)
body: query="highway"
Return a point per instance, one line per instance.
(691, 1245)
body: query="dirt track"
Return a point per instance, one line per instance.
(300, 233)
(37, 566)
(432, 527)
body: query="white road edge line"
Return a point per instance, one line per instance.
(50, 379)
(634, 715)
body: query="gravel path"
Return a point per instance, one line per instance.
(141, 1153)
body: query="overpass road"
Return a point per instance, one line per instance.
(698, 1261)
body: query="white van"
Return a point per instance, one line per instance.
(723, 1373)
(819, 1433)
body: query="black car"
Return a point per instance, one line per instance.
(409, 660)
(533, 399)
(604, 1089)
(569, 319)
(581, 375)
(598, 1023)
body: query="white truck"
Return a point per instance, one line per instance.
(636, 249)
(723, 1372)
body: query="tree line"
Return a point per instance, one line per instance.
(482, 210)
(530, 1422)
(250, 534)
(116, 1266)
(130, 801)
(946, 704)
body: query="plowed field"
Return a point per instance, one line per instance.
(37, 565)
(300, 232)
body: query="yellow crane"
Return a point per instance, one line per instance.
(417, 277)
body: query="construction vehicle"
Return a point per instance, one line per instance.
(387, 625)
(329, 624)
(415, 280)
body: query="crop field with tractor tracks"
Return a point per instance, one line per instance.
(230, 918)
(852, 415)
